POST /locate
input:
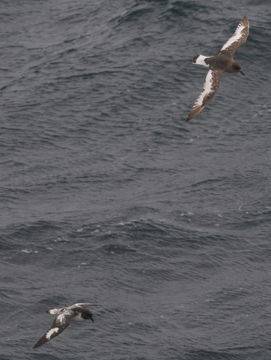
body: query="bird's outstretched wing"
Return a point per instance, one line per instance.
(238, 38)
(60, 323)
(211, 84)
(81, 305)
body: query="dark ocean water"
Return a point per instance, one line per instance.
(107, 195)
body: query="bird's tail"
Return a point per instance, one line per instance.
(200, 60)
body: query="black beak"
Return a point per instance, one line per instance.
(242, 72)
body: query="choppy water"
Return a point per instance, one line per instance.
(108, 195)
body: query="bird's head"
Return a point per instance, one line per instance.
(237, 68)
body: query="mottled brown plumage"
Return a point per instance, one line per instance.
(218, 64)
(63, 319)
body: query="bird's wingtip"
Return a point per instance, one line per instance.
(245, 21)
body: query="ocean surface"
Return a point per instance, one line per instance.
(108, 195)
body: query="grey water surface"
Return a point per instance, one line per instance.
(107, 195)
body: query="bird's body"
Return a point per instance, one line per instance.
(223, 62)
(63, 318)
(218, 64)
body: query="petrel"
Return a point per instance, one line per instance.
(63, 317)
(217, 64)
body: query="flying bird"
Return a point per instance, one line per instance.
(222, 62)
(63, 318)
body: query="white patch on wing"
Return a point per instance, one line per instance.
(61, 318)
(235, 37)
(207, 88)
(81, 305)
(51, 332)
(200, 60)
(78, 317)
(53, 311)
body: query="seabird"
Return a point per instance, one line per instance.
(222, 61)
(63, 317)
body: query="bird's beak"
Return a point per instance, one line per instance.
(242, 72)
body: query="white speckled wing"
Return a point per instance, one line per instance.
(52, 332)
(82, 305)
(60, 323)
(210, 86)
(54, 311)
(238, 38)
